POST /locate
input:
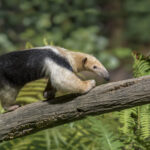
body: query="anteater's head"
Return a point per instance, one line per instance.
(92, 64)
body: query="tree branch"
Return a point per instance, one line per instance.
(47, 114)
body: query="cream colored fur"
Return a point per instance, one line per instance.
(64, 80)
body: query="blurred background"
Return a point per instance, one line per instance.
(109, 30)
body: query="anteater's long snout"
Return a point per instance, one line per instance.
(104, 73)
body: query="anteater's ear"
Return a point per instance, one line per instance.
(84, 60)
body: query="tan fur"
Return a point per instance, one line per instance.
(76, 58)
(66, 81)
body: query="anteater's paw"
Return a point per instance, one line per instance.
(49, 95)
(93, 83)
(90, 84)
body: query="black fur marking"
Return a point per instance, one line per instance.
(19, 67)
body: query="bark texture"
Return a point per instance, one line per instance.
(47, 114)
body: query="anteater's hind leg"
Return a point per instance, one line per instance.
(8, 98)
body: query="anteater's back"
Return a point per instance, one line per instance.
(20, 67)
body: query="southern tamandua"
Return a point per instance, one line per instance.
(58, 64)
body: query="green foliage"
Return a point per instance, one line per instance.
(137, 21)
(136, 121)
(107, 138)
(32, 91)
(126, 120)
(59, 21)
(78, 25)
(88, 134)
(42, 140)
(141, 65)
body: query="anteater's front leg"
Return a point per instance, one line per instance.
(69, 82)
(49, 92)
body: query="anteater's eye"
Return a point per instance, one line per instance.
(94, 67)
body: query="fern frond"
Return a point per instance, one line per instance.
(1, 109)
(107, 138)
(45, 42)
(32, 91)
(136, 121)
(48, 139)
(28, 45)
(126, 120)
(145, 121)
(141, 65)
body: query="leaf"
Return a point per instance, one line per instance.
(107, 138)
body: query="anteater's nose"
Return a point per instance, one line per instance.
(106, 75)
(107, 78)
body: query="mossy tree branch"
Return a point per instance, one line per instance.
(47, 114)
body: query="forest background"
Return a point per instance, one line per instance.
(109, 30)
